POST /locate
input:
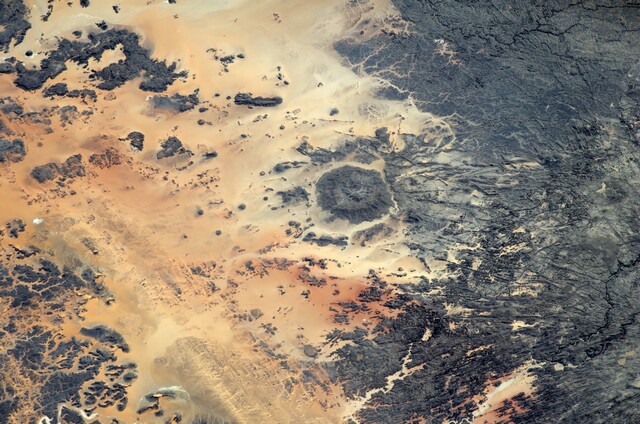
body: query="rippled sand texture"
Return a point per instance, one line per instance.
(215, 290)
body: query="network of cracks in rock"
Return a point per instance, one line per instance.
(353, 193)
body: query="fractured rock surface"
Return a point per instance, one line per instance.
(353, 193)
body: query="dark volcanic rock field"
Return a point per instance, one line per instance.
(545, 100)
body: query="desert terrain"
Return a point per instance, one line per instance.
(320, 212)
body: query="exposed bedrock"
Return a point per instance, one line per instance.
(247, 99)
(353, 193)
(71, 168)
(157, 75)
(540, 179)
(13, 23)
(80, 370)
(12, 151)
(172, 146)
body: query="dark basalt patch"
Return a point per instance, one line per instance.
(376, 232)
(46, 172)
(324, 240)
(62, 90)
(59, 89)
(70, 416)
(310, 351)
(61, 369)
(157, 75)
(352, 193)
(83, 94)
(71, 168)
(68, 114)
(247, 99)
(316, 154)
(12, 151)
(151, 402)
(285, 166)
(107, 335)
(360, 149)
(13, 23)
(172, 146)
(25, 252)
(6, 68)
(136, 140)
(14, 227)
(10, 107)
(294, 195)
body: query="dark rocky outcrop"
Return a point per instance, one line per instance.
(10, 107)
(364, 150)
(353, 193)
(13, 23)
(310, 351)
(285, 166)
(62, 90)
(12, 151)
(324, 240)
(136, 140)
(157, 75)
(45, 172)
(294, 195)
(83, 94)
(14, 227)
(59, 89)
(372, 233)
(60, 368)
(247, 99)
(172, 146)
(71, 168)
(106, 335)
(6, 68)
(110, 157)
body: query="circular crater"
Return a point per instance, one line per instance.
(352, 193)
